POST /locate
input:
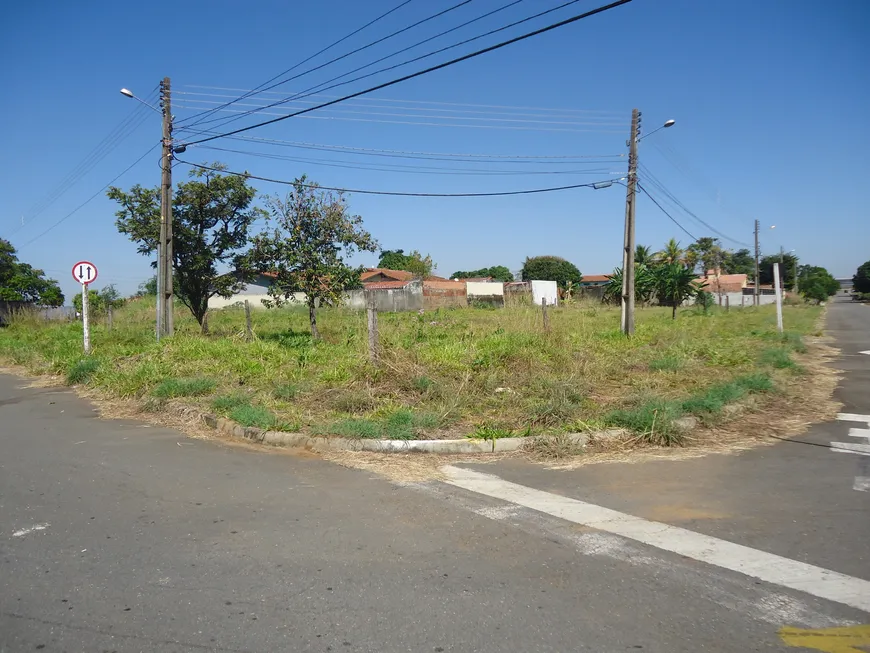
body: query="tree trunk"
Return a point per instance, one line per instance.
(674, 313)
(312, 317)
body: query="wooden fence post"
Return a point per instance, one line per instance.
(109, 316)
(372, 319)
(545, 314)
(727, 303)
(249, 333)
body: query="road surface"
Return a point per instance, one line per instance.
(116, 536)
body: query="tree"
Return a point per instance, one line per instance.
(645, 285)
(313, 233)
(676, 284)
(95, 302)
(212, 214)
(861, 280)
(148, 287)
(672, 253)
(739, 262)
(497, 272)
(643, 255)
(786, 269)
(21, 282)
(396, 259)
(817, 283)
(705, 251)
(551, 268)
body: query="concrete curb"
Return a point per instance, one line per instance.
(302, 441)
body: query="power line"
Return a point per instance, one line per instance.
(683, 207)
(662, 209)
(352, 165)
(92, 197)
(368, 45)
(398, 193)
(401, 101)
(316, 54)
(431, 69)
(111, 141)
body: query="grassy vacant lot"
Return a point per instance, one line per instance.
(444, 373)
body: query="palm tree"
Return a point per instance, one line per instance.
(672, 253)
(643, 255)
(676, 284)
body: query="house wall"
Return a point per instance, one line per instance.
(255, 293)
(444, 294)
(388, 300)
(487, 292)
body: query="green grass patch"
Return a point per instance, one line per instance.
(357, 428)
(285, 391)
(667, 364)
(250, 415)
(229, 402)
(172, 388)
(779, 358)
(82, 371)
(653, 419)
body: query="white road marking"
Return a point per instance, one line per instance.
(865, 352)
(862, 484)
(860, 433)
(852, 417)
(768, 567)
(25, 531)
(851, 447)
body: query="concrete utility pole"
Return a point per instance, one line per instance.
(628, 242)
(757, 254)
(166, 321)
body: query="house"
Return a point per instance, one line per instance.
(723, 283)
(475, 279)
(374, 275)
(255, 291)
(594, 280)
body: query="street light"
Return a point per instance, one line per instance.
(128, 93)
(668, 123)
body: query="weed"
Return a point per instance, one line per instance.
(423, 383)
(171, 388)
(492, 432)
(669, 363)
(352, 401)
(248, 415)
(81, 371)
(285, 391)
(553, 446)
(654, 420)
(226, 403)
(779, 358)
(353, 428)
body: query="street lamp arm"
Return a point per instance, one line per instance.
(128, 93)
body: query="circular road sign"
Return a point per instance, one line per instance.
(84, 272)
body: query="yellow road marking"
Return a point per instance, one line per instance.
(828, 640)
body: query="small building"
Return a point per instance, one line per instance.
(374, 275)
(594, 280)
(723, 283)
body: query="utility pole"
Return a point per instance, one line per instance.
(757, 253)
(165, 318)
(628, 241)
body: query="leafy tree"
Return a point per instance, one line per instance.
(21, 282)
(414, 262)
(497, 272)
(817, 283)
(643, 255)
(672, 253)
(705, 251)
(861, 280)
(786, 269)
(96, 304)
(212, 214)
(313, 234)
(645, 285)
(739, 262)
(551, 268)
(148, 287)
(676, 284)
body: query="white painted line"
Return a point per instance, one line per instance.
(860, 433)
(768, 567)
(865, 352)
(862, 484)
(851, 447)
(25, 531)
(852, 417)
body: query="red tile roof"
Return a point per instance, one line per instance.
(723, 283)
(385, 285)
(395, 275)
(593, 278)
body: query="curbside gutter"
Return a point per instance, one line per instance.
(302, 441)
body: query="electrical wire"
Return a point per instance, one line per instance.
(383, 99)
(530, 191)
(663, 189)
(313, 56)
(431, 69)
(353, 165)
(368, 45)
(662, 209)
(313, 90)
(108, 144)
(92, 197)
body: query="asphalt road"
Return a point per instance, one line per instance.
(115, 536)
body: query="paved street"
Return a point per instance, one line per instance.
(115, 536)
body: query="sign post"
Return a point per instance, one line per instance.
(778, 291)
(85, 273)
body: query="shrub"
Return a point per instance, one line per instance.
(778, 357)
(248, 415)
(226, 403)
(285, 391)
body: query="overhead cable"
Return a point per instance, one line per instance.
(431, 69)
(662, 209)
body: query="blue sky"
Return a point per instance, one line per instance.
(769, 100)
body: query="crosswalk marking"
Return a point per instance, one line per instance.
(853, 417)
(768, 567)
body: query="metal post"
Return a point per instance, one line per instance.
(628, 242)
(86, 325)
(757, 276)
(778, 291)
(165, 266)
